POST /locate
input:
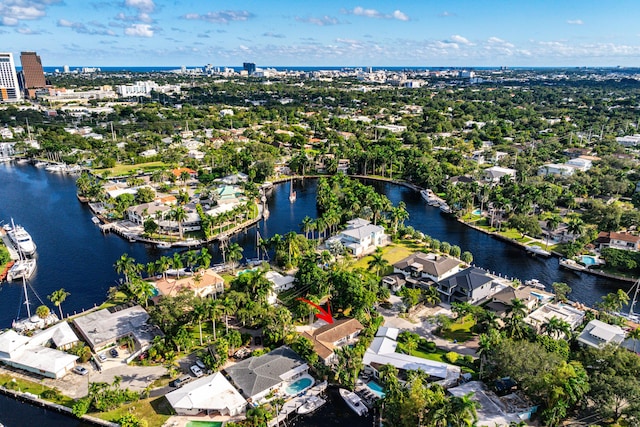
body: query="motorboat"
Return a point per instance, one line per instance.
(311, 404)
(353, 401)
(444, 208)
(20, 239)
(537, 250)
(95, 220)
(22, 269)
(163, 245)
(56, 168)
(535, 283)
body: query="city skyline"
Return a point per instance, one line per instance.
(329, 33)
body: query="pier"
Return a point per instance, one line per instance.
(291, 406)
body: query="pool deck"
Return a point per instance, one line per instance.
(291, 406)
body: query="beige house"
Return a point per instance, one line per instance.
(202, 284)
(327, 338)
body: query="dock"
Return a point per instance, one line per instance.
(13, 253)
(291, 406)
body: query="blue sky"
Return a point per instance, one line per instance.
(328, 32)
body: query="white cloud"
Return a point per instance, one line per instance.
(139, 30)
(373, 13)
(142, 5)
(273, 35)
(14, 11)
(81, 28)
(141, 17)
(461, 40)
(221, 17)
(447, 14)
(575, 22)
(321, 21)
(28, 31)
(400, 15)
(498, 41)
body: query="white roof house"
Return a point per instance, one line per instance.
(561, 311)
(382, 351)
(210, 394)
(361, 237)
(29, 354)
(280, 283)
(598, 334)
(495, 173)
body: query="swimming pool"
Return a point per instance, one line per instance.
(588, 260)
(299, 386)
(477, 212)
(204, 424)
(376, 388)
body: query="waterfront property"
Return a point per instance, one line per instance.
(327, 338)
(471, 285)
(269, 374)
(560, 311)
(103, 328)
(280, 283)
(202, 284)
(431, 266)
(495, 173)
(210, 395)
(531, 297)
(360, 237)
(624, 241)
(599, 334)
(32, 354)
(382, 351)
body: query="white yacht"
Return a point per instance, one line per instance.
(354, 401)
(22, 268)
(537, 250)
(20, 239)
(311, 404)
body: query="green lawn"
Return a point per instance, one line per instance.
(33, 387)
(119, 170)
(392, 253)
(156, 411)
(459, 331)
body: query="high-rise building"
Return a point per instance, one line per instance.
(9, 88)
(249, 67)
(32, 72)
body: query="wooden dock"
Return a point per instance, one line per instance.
(291, 406)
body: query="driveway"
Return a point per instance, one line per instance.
(419, 323)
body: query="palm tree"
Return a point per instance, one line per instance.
(176, 263)
(517, 308)
(163, 264)
(576, 227)
(204, 258)
(125, 265)
(634, 335)
(179, 214)
(214, 308)
(555, 326)
(57, 298)
(432, 296)
(307, 226)
(377, 263)
(235, 254)
(552, 224)
(199, 312)
(463, 410)
(411, 344)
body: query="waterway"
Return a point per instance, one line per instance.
(74, 254)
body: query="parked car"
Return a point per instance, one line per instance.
(114, 352)
(195, 369)
(80, 370)
(201, 364)
(102, 357)
(179, 382)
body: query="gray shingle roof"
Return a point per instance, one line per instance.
(470, 279)
(256, 374)
(433, 265)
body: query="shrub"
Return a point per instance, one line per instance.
(81, 407)
(428, 346)
(468, 359)
(452, 357)
(50, 394)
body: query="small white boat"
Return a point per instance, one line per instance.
(429, 197)
(163, 245)
(95, 220)
(537, 250)
(56, 168)
(353, 401)
(22, 268)
(444, 208)
(20, 239)
(41, 164)
(535, 283)
(292, 193)
(311, 404)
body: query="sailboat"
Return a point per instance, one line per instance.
(292, 193)
(632, 315)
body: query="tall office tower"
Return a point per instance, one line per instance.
(9, 89)
(32, 72)
(249, 67)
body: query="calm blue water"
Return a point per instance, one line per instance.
(74, 254)
(17, 414)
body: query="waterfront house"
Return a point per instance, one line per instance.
(561, 311)
(530, 296)
(394, 281)
(258, 377)
(140, 213)
(33, 354)
(327, 338)
(203, 284)
(471, 285)
(103, 328)
(624, 241)
(599, 334)
(279, 283)
(420, 266)
(208, 395)
(382, 351)
(556, 169)
(495, 173)
(360, 237)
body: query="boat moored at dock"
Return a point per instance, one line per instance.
(537, 250)
(353, 401)
(22, 269)
(20, 239)
(310, 405)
